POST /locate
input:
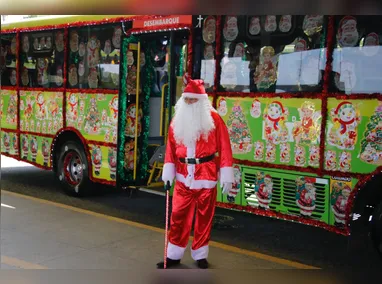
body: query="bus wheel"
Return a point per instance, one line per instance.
(72, 169)
(377, 229)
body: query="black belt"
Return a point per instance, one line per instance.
(196, 161)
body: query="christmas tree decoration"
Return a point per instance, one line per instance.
(240, 134)
(371, 144)
(93, 118)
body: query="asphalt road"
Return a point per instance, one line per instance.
(292, 241)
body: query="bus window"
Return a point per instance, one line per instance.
(273, 53)
(205, 52)
(8, 60)
(94, 54)
(42, 59)
(357, 58)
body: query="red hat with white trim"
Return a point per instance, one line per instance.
(195, 90)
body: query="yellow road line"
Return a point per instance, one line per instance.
(15, 262)
(162, 231)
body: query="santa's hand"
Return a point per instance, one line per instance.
(227, 186)
(167, 182)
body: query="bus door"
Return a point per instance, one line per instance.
(152, 72)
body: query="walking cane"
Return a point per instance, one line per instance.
(167, 188)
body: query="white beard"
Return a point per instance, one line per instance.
(192, 121)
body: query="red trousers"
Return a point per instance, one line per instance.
(184, 204)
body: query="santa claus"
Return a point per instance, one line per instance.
(190, 158)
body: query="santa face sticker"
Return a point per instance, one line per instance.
(344, 132)
(300, 45)
(13, 45)
(48, 43)
(59, 76)
(209, 29)
(107, 47)
(209, 52)
(285, 23)
(230, 30)
(254, 26)
(239, 50)
(117, 37)
(81, 69)
(312, 24)
(25, 44)
(74, 41)
(130, 58)
(371, 44)
(347, 33)
(13, 78)
(73, 80)
(59, 41)
(222, 108)
(25, 77)
(255, 109)
(93, 78)
(270, 24)
(81, 49)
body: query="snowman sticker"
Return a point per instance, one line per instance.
(222, 109)
(274, 117)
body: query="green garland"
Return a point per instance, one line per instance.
(122, 111)
(147, 74)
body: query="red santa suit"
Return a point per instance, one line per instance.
(195, 186)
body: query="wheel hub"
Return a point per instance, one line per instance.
(73, 169)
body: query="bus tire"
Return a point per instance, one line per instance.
(72, 169)
(377, 228)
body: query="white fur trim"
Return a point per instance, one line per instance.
(307, 208)
(226, 175)
(194, 96)
(339, 220)
(200, 253)
(175, 252)
(190, 167)
(264, 201)
(337, 213)
(196, 184)
(169, 172)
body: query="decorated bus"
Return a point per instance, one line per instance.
(91, 98)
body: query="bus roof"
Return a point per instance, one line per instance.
(58, 20)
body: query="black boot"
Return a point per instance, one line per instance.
(202, 263)
(170, 263)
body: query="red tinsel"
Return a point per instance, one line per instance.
(11, 88)
(83, 23)
(34, 89)
(92, 91)
(37, 134)
(190, 52)
(294, 218)
(8, 130)
(157, 29)
(101, 143)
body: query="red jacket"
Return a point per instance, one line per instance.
(203, 175)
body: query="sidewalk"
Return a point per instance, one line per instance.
(38, 234)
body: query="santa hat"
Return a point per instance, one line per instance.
(195, 90)
(346, 190)
(222, 100)
(342, 106)
(255, 102)
(347, 21)
(268, 176)
(230, 20)
(374, 37)
(278, 105)
(310, 180)
(208, 20)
